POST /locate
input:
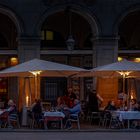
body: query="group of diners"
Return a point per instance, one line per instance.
(126, 114)
(8, 114)
(67, 104)
(132, 106)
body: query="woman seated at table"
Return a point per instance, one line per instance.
(60, 104)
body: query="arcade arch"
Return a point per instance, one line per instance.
(55, 32)
(9, 31)
(129, 33)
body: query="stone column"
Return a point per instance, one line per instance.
(28, 48)
(105, 50)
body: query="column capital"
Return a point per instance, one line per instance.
(25, 39)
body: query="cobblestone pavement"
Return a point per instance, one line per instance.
(69, 135)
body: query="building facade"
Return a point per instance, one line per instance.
(100, 32)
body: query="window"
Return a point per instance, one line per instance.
(51, 90)
(52, 40)
(52, 87)
(47, 35)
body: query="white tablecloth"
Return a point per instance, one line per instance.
(128, 115)
(54, 114)
(1, 111)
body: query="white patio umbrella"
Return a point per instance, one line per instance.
(39, 67)
(124, 69)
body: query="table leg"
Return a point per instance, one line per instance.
(61, 124)
(45, 125)
(128, 124)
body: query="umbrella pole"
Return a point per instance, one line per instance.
(36, 88)
(123, 91)
(36, 73)
(124, 74)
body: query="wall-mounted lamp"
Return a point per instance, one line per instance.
(70, 41)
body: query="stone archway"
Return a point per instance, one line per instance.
(8, 33)
(55, 30)
(128, 30)
(83, 25)
(14, 18)
(82, 11)
(10, 29)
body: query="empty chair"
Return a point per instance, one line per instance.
(95, 117)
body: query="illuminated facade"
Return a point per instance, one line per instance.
(102, 30)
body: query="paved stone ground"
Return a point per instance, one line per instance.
(87, 132)
(71, 135)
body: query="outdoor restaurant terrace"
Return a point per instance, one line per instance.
(69, 111)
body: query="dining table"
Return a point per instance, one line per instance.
(127, 115)
(53, 116)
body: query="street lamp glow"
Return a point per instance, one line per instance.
(124, 73)
(35, 73)
(137, 59)
(120, 58)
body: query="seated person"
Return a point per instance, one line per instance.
(110, 106)
(37, 111)
(60, 104)
(75, 109)
(12, 111)
(119, 105)
(34, 103)
(133, 105)
(136, 106)
(69, 97)
(11, 107)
